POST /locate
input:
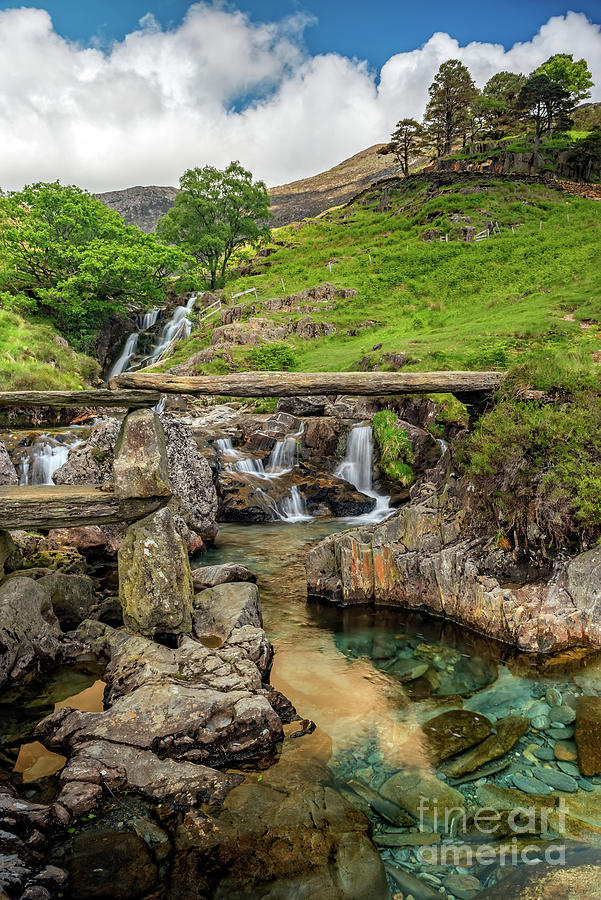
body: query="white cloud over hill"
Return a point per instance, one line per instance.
(161, 101)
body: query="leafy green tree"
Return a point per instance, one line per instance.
(75, 260)
(545, 103)
(574, 77)
(499, 100)
(587, 153)
(451, 94)
(214, 212)
(405, 141)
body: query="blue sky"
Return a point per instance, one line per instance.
(368, 29)
(108, 95)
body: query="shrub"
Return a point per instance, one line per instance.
(396, 455)
(272, 358)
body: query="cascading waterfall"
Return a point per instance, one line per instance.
(293, 508)
(148, 319)
(282, 458)
(234, 461)
(178, 327)
(357, 469)
(43, 458)
(122, 361)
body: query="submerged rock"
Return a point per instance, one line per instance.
(588, 735)
(508, 733)
(112, 864)
(423, 795)
(453, 731)
(29, 630)
(155, 581)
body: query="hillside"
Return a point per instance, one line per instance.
(454, 304)
(143, 206)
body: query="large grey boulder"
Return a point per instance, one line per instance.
(140, 467)
(72, 596)
(29, 630)
(155, 581)
(10, 553)
(220, 609)
(208, 576)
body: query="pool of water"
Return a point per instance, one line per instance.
(371, 680)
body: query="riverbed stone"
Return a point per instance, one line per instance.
(462, 885)
(531, 785)
(115, 864)
(454, 731)
(508, 732)
(558, 780)
(562, 715)
(8, 473)
(566, 751)
(29, 630)
(155, 581)
(588, 734)
(576, 878)
(410, 789)
(140, 467)
(209, 576)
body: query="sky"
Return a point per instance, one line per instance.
(108, 95)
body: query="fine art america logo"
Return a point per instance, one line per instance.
(494, 837)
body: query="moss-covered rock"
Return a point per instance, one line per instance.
(65, 559)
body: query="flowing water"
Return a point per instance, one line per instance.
(178, 327)
(357, 468)
(370, 679)
(37, 455)
(122, 362)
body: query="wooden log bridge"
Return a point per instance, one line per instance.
(78, 399)
(302, 384)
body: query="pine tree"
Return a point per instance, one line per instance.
(451, 93)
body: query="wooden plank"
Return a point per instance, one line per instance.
(67, 505)
(298, 384)
(76, 399)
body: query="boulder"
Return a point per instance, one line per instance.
(241, 501)
(337, 495)
(319, 443)
(140, 467)
(587, 735)
(29, 630)
(424, 796)
(303, 406)
(220, 609)
(10, 555)
(155, 581)
(209, 576)
(508, 731)
(308, 329)
(116, 864)
(454, 731)
(8, 473)
(72, 597)
(84, 538)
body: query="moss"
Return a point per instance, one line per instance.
(64, 560)
(396, 455)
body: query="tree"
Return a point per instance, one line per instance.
(574, 77)
(215, 212)
(405, 140)
(77, 261)
(499, 99)
(544, 102)
(451, 94)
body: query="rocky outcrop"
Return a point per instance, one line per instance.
(155, 581)
(29, 630)
(140, 467)
(431, 557)
(72, 597)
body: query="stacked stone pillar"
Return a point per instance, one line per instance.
(155, 580)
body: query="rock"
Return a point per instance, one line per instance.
(72, 597)
(463, 886)
(508, 733)
(288, 834)
(576, 878)
(452, 732)
(411, 885)
(338, 495)
(560, 733)
(566, 751)
(545, 753)
(9, 552)
(140, 467)
(558, 780)
(114, 864)
(209, 576)
(530, 785)
(218, 610)
(8, 473)
(562, 715)
(155, 581)
(240, 501)
(428, 557)
(80, 797)
(29, 631)
(408, 669)
(89, 538)
(423, 795)
(303, 406)
(587, 735)
(568, 768)
(319, 441)
(553, 697)
(541, 723)
(65, 559)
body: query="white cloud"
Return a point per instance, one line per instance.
(163, 100)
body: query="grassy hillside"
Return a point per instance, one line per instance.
(446, 304)
(35, 357)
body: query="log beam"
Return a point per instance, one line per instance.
(75, 399)
(67, 506)
(299, 384)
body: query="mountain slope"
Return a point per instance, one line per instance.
(143, 206)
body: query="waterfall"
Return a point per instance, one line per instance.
(44, 457)
(283, 456)
(357, 469)
(293, 508)
(234, 461)
(122, 361)
(148, 319)
(356, 466)
(178, 327)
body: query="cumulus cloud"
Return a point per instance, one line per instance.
(219, 87)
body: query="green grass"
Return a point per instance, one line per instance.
(33, 358)
(448, 305)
